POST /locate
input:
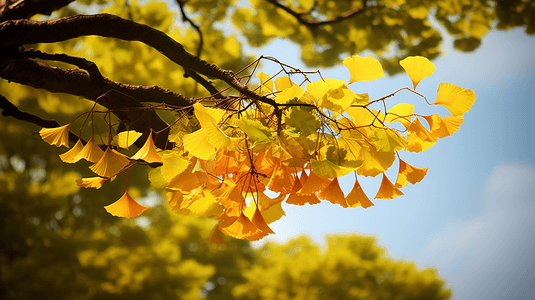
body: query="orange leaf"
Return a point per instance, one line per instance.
(357, 197)
(242, 228)
(125, 207)
(313, 184)
(333, 193)
(301, 199)
(216, 237)
(408, 173)
(281, 180)
(387, 190)
(443, 126)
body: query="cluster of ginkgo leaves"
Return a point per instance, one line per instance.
(238, 163)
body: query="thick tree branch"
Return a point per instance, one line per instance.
(315, 23)
(122, 101)
(23, 9)
(21, 32)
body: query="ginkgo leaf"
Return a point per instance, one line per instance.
(301, 199)
(328, 170)
(456, 99)
(173, 164)
(205, 206)
(255, 130)
(443, 126)
(313, 184)
(110, 164)
(281, 181)
(125, 207)
(196, 143)
(303, 119)
(266, 85)
(125, 139)
(387, 190)
(401, 113)
(148, 152)
(338, 96)
(241, 228)
(416, 144)
(418, 68)
(418, 129)
(216, 236)
(283, 83)
(374, 162)
(92, 182)
(265, 202)
(408, 173)
(295, 93)
(363, 68)
(72, 156)
(91, 151)
(333, 193)
(387, 140)
(58, 136)
(357, 197)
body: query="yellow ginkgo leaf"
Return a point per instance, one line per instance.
(196, 143)
(416, 144)
(283, 83)
(266, 86)
(443, 126)
(328, 170)
(408, 173)
(148, 152)
(58, 136)
(333, 193)
(72, 156)
(110, 164)
(387, 190)
(92, 182)
(387, 140)
(206, 206)
(125, 207)
(126, 138)
(418, 129)
(456, 99)
(281, 181)
(91, 152)
(363, 68)
(373, 161)
(357, 197)
(401, 113)
(418, 68)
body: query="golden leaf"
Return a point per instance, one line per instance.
(387, 190)
(456, 99)
(363, 68)
(110, 164)
(91, 151)
(408, 173)
(418, 68)
(72, 156)
(333, 193)
(58, 136)
(357, 197)
(148, 152)
(92, 182)
(125, 207)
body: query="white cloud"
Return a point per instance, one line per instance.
(492, 255)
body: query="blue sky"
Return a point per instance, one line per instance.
(472, 216)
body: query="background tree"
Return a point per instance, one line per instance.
(351, 267)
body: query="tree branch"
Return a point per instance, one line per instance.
(10, 110)
(20, 32)
(315, 23)
(23, 9)
(123, 101)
